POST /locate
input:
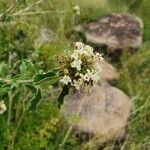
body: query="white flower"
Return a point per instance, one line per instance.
(76, 64)
(87, 76)
(84, 77)
(65, 80)
(82, 51)
(97, 67)
(77, 83)
(2, 107)
(75, 54)
(96, 77)
(89, 50)
(91, 75)
(98, 56)
(79, 45)
(77, 9)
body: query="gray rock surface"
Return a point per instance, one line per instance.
(108, 71)
(116, 30)
(104, 112)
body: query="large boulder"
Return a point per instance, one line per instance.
(103, 112)
(116, 30)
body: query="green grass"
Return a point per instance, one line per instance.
(134, 80)
(134, 70)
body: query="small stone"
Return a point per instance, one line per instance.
(46, 35)
(108, 71)
(103, 112)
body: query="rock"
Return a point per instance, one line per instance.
(103, 113)
(116, 30)
(46, 35)
(108, 71)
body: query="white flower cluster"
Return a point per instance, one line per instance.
(84, 68)
(2, 107)
(77, 9)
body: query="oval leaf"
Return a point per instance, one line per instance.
(40, 77)
(36, 100)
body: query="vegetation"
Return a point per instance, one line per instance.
(32, 33)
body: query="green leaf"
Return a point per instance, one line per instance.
(27, 68)
(54, 80)
(4, 89)
(23, 69)
(32, 88)
(2, 70)
(30, 66)
(40, 77)
(36, 100)
(64, 92)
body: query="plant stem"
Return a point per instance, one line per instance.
(19, 81)
(29, 7)
(10, 9)
(25, 81)
(10, 143)
(66, 137)
(32, 13)
(37, 13)
(24, 108)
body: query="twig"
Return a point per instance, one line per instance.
(10, 9)
(24, 12)
(21, 11)
(31, 13)
(38, 13)
(29, 7)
